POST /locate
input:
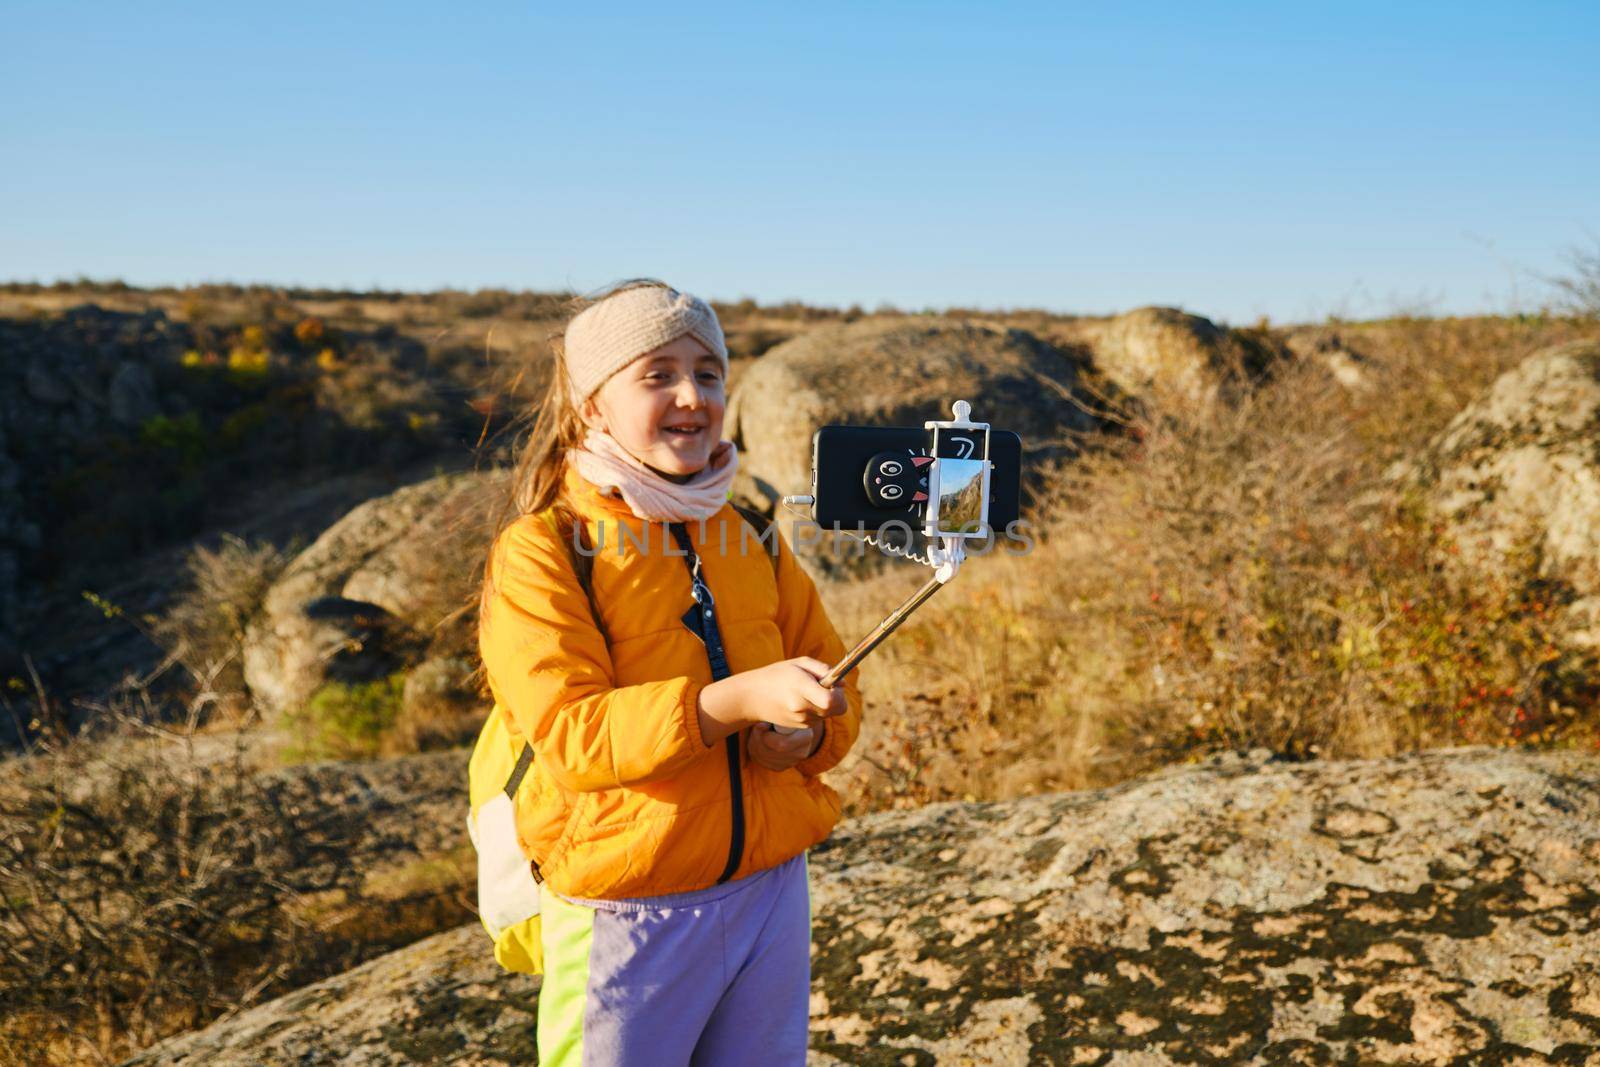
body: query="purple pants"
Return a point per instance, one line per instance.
(715, 978)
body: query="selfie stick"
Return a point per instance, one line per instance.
(944, 554)
(951, 553)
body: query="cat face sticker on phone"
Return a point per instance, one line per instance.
(897, 479)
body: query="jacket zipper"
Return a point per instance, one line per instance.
(705, 604)
(736, 793)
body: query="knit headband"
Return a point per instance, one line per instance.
(609, 335)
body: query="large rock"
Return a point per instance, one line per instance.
(1520, 468)
(1329, 346)
(338, 609)
(131, 395)
(1437, 908)
(1177, 360)
(896, 371)
(442, 1000)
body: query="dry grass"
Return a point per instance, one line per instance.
(154, 879)
(1241, 577)
(204, 626)
(146, 888)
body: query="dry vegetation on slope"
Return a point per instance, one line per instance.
(1240, 577)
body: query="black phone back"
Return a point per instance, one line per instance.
(839, 456)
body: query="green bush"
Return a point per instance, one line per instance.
(182, 436)
(347, 720)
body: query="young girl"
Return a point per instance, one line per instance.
(669, 821)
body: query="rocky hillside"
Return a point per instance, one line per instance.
(68, 380)
(127, 438)
(1518, 471)
(1437, 908)
(1215, 579)
(138, 424)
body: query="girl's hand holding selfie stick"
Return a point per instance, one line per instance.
(787, 696)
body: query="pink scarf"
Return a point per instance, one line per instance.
(602, 461)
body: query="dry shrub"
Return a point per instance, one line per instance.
(1425, 370)
(374, 391)
(153, 879)
(1241, 577)
(204, 626)
(146, 889)
(1579, 290)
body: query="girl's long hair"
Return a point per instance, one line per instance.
(548, 430)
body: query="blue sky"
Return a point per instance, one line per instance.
(1236, 160)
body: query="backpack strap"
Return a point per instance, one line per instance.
(701, 619)
(520, 771)
(761, 524)
(564, 524)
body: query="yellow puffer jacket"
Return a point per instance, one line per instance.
(629, 800)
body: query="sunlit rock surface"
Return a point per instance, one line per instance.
(1440, 908)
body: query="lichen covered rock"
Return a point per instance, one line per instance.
(1438, 908)
(1441, 908)
(334, 610)
(897, 372)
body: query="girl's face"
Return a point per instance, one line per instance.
(665, 407)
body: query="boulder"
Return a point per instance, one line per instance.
(443, 1000)
(376, 577)
(897, 371)
(131, 395)
(1519, 469)
(1174, 359)
(1348, 365)
(1436, 908)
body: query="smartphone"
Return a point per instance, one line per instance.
(840, 478)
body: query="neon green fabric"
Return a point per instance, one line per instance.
(568, 936)
(811, 914)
